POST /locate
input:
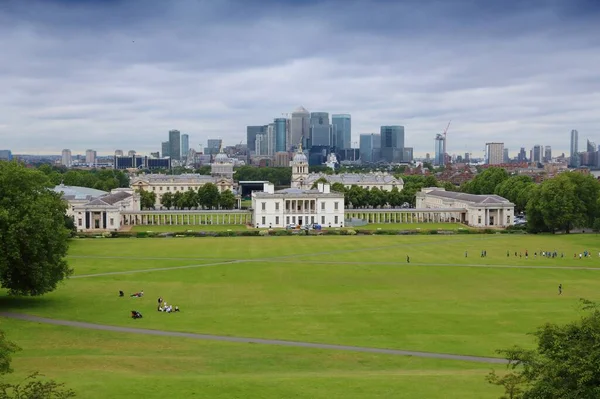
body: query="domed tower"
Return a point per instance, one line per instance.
(222, 166)
(299, 169)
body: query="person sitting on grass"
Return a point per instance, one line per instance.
(177, 308)
(135, 314)
(138, 294)
(121, 293)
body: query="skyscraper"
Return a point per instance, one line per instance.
(506, 157)
(5, 155)
(299, 127)
(591, 146)
(370, 147)
(165, 149)
(90, 157)
(574, 155)
(185, 145)
(213, 146)
(66, 160)
(175, 144)
(439, 150)
(320, 129)
(251, 133)
(547, 154)
(341, 126)
(392, 143)
(260, 145)
(280, 134)
(271, 140)
(522, 157)
(494, 153)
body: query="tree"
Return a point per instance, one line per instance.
(486, 181)
(563, 365)
(178, 200)
(208, 196)
(147, 199)
(517, 190)
(227, 200)
(316, 183)
(190, 199)
(33, 388)
(167, 200)
(33, 236)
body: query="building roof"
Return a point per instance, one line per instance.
(113, 198)
(356, 178)
(474, 198)
(174, 179)
(78, 193)
(301, 109)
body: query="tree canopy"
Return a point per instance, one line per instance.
(565, 363)
(33, 236)
(486, 181)
(100, 179)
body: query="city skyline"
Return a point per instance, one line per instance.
(507, 75)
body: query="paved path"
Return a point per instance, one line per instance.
(222, 338)
(156, 269)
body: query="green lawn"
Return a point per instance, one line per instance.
(181, 228)
(98, 364)
(356, 290)
(412, 226)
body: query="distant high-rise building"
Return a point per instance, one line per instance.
(131, 153)
(299, 127)
(66, 159)
(591, 146)
(494, 153)
(537, 154)
(370, 148)
(574, 155)
(185, 145)
(118, 153)
(547, 154)
(392, 143)
(213, 146)
(281, 159)
(90, 157)
(407, 154)
(165, 149)
(439, 150)
(175, 144)
(505, 157)
(5, 155)
(320, 129)
(251, 133)
(341, 126)
(522, 157)
(467, 157)
(260, 145)
(280, 134)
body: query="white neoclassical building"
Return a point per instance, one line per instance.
(301, 178)
(481, 210)
(298, 205)
(221, 175)
(96, 210)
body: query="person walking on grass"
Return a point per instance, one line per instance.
(407, 259)
(560, 289)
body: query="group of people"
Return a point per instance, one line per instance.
(163, 306)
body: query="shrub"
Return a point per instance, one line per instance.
(263, 233)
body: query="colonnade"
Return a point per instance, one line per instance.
(158, 218)
(406, 216)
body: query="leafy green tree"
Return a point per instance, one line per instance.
(277, 176)
(190, 199)
(33, 388)
(178, 200)
(227, 200)
(486, 181)
(208, 196)
(319, 180)
(338, 188)
(203, 170)
(587, 191)
(395, 198)
(517, 189)
(358, 197)
(167, 200)
(377, 197)
(147, 199)
(563, 365)
(33, 236)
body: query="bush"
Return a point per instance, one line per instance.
(141, 234)
(351, 232)
(263, 233)
(433, 232)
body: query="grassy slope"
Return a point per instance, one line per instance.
(108, 365)
(435, 308)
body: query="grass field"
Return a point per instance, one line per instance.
(328, 289)
(412, 226)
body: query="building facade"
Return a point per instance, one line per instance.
(66, 158)
(439, 150)
(90, 157)
(392, 143)
(251, 133)
(299, 127)
(495, 153)
(370, 148)
(341, 127)
(164, 149)
(320, 129)
(5, 155)
(175, 144)
(574, 154)
(481, 210)
(185, 145)
(280, 125)
(297, 207)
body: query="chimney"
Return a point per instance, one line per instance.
(326, 188)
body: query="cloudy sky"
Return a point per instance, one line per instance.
(119, 74)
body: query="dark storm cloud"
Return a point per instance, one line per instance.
(120, 74)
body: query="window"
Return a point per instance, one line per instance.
(381, 187)
(168, 188)
(287, 220)
(479, 220)
(322, 206)
(153, 188)
(312, 219)
(277, 206)
(336, 205)
(264, 220)
(181, 188)
(322, 219)
(508, 220)
(112, 221)
(264, 206)
(293, 219)
(335, 220)
(80, 222)
(276, 219)
(160, 188)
